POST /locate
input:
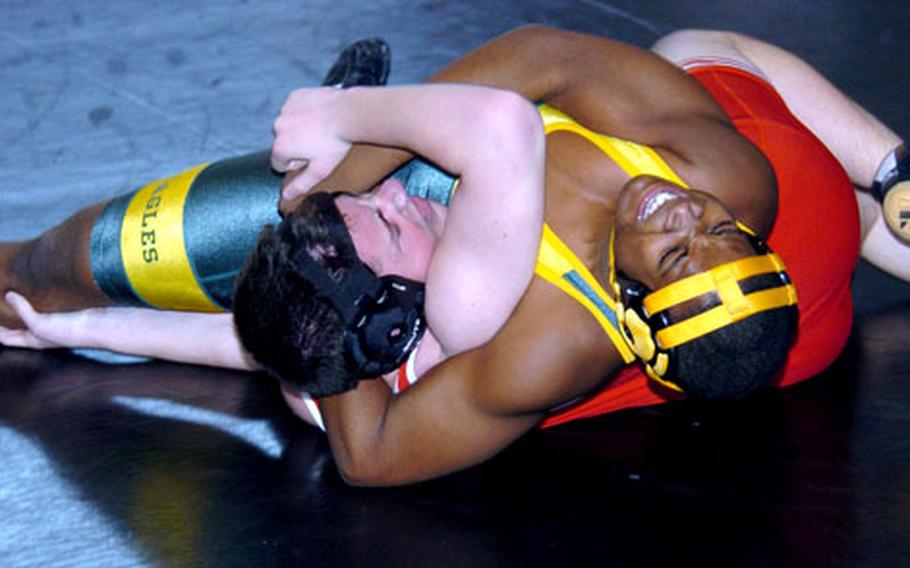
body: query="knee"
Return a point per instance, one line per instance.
(690, 43)
(685, 37)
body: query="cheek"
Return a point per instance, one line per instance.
(417, 255)
(423, 256)
(635, 258)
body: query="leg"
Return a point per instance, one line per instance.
(857, 139)
(53, 269)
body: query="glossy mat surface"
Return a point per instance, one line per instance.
(171, 465)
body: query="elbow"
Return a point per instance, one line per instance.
(355, 478)
(370, 469)
(513, 122)
(360, 473)
(359, 465)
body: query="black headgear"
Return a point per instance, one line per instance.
(382, 316)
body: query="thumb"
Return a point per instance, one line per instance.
(23, 308)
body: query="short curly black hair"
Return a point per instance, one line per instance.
(741, 358)
(290, 329)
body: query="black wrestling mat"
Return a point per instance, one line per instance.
(174, 465)
(167, 465)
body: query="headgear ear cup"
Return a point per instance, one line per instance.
(382, 316)
(386, 326)
(639, 333)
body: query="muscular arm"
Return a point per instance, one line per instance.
(493, 139)
(473, 405)
(613, 88)
(544, 65)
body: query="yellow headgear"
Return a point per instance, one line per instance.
(645, 322)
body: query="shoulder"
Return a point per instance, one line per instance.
(551, 350)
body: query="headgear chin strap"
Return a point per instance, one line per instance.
(644, 318)
(382, 316)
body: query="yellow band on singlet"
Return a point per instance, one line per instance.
(634, 159)
(153, 248)
(556, 263)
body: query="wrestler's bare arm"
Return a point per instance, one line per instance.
(627, 92)
(544, 64)
(494, 141)
(473, 405)
(184, 337)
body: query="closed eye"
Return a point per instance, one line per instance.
(666, 255)
(723, 228)
(677, 254)
(392, 229)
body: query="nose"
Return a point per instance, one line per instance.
(390, 199)
(684, 214)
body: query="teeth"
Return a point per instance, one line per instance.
(656, 201)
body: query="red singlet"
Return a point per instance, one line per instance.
(816, 233)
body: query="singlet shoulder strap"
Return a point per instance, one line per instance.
(633, 158)
(557, 264)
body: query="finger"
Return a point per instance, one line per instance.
(282, 161)
(282, 157)
(286, 182)
(285, 157)
(21, 338)
(302, 182)
(23, 307)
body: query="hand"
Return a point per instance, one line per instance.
(307, 145)
(43, 331)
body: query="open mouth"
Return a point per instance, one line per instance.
(655, 198)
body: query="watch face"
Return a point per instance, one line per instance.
(896, 208)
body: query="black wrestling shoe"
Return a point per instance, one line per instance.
(365, 62)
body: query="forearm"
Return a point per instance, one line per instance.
(186, 337)
(382, 440)
(451, 125)
(468, 408)
(183, 337)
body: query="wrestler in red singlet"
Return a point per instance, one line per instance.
(816, 233)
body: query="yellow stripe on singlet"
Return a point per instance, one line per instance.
(154, 250)
(556, 263)
(634, 159)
